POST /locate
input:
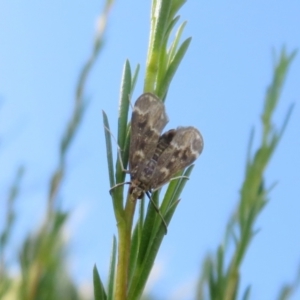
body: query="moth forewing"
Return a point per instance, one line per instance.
(147, 122)
(183, 150)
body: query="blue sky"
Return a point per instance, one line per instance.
(219, 88)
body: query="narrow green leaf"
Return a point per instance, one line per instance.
(175, 188)
(147, 228)
(134, 78)
(159, 24)
(164, 86)
(182, 182)
(161, 15)
(145, 240)
(171, 26)
(161, 70)
(174, 45)
(117, 193)
(143, 269)
(123, 115)
(125, 153)
(175, 6)
(153, 222)
(124, 103)
(163, 61)
(169, 196)
(99, 292)
(133, 252)
(109, 156)
(141, 216)
(112, 270)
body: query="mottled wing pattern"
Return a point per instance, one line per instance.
(147, 122)
(183, 150)
(147, 170)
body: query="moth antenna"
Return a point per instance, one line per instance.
(158, 211)
(119, 154)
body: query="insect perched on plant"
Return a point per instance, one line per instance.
(154, 158)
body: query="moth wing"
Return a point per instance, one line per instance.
(147, 122)
(183, 150)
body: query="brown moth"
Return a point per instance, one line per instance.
(154, 158)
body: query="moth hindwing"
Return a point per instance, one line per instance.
(154, 158)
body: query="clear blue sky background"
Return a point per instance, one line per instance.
(219, 88)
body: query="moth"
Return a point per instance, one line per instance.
(154, 158)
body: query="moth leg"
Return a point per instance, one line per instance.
(158, 211)
(119, 153)
(117, 185)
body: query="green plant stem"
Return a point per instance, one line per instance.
(160, 68)
(124, 232)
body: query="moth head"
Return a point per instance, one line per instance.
(135, 191)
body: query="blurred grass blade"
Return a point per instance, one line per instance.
(10, 214)
(247, 293)
(99, 292)
(109, 156)
(220, 264)
(249, 149)
(253, 195)
(112, 270)
(202, 279)
(286, 120)
(288, 290)
(274, 90)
